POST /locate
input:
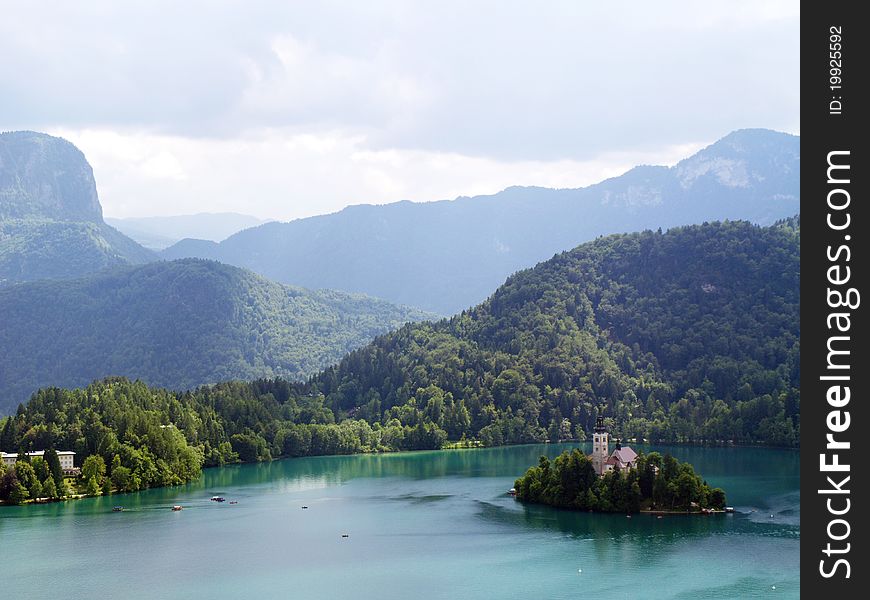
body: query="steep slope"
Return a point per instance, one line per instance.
(446, 256)
(177, 324)
(687, 335)
(45, 177)
(51, 221)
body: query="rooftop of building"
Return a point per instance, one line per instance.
(38, 453)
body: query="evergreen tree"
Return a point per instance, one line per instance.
(7, 437)
(53, 461)
(18, 494)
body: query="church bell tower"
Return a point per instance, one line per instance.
(600, 445)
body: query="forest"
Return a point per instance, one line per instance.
(687, 336)
(656, 483)
(128, 436)
(179, 325)
(692, 335)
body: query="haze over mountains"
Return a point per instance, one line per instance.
(446, 256)
(51, 221)
(157, 233)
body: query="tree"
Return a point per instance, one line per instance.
(717, 498)
(18, 493)
(40, 467)
(53, 461)
(27, 477)
(250, 447)
(63, 489)
(36, 490)
(7, 436)
(565, 430)
(122, 479)
(92, 488)
(94, 467)
(49, 489)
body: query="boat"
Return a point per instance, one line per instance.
(729, 509)
(117, 509)
(234, 501)
(512, 491)
(304, 507)
(177, 507)
(218, 499)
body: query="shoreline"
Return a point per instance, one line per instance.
(448, 446)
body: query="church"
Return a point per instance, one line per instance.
(602, 460)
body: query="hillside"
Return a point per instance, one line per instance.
(51, 221)
(177, 324)
(688, 335)
(447, 256)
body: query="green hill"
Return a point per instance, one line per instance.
(177, 324)
(51, 221)
(689, 335)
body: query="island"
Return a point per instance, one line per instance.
(621, 481)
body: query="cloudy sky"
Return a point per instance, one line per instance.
(288, 109)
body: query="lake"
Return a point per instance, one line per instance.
(420, 525)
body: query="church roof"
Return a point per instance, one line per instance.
(625, 455)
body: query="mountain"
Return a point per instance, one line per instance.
(158, 233)
(446, 256)
(688, 335)
(47, 178)
(178, 324)
(51, 221)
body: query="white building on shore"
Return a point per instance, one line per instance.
(67, 459)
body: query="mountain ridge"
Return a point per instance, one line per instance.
(447, 255)
(51, 220)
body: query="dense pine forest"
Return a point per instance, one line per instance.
(691, 335)
(686, 336)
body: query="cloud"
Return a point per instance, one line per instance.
(286, 175)
(500, 86)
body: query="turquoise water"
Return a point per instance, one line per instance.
(420, 525)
